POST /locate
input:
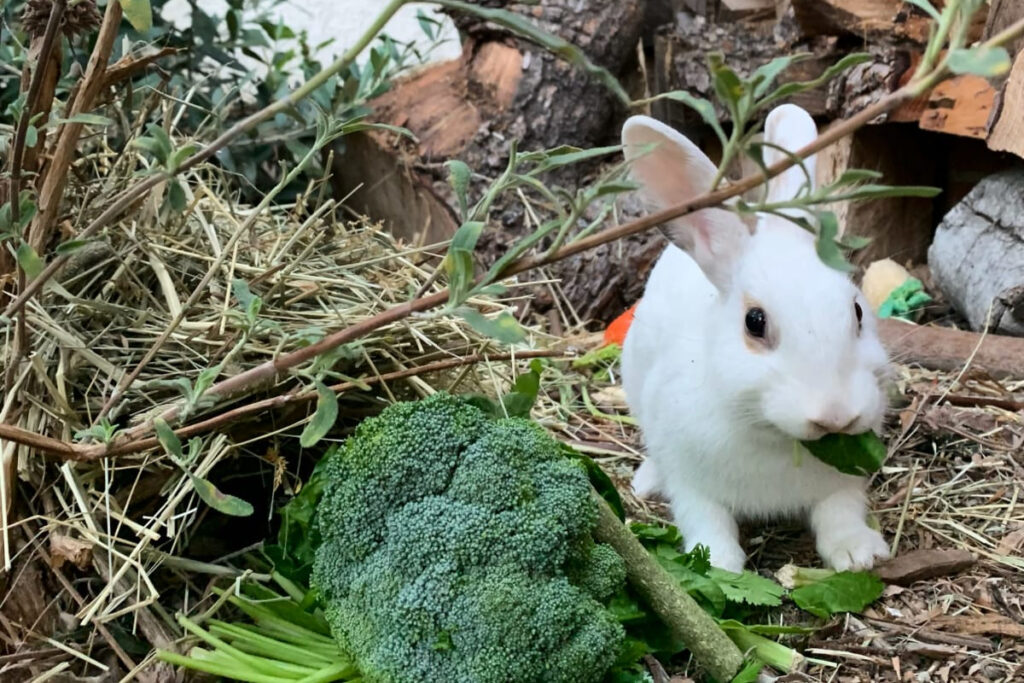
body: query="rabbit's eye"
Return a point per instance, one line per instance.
(756, 322)
(860, 315)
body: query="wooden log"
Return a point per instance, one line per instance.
(504, 89)
(899, 227)
(961, 105)
(940, 348)
(1001, 14)
(1007, 132)
(874, 20)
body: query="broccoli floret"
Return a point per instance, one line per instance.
(457, 548)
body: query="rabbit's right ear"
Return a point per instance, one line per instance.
(673, 170)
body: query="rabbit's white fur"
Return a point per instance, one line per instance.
(722, 412)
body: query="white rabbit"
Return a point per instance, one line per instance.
(743, 344)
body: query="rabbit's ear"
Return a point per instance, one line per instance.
(791, 128)
(673, 170)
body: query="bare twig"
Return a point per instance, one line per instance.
(49, 41)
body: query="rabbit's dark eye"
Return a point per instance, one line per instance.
(860, 314)
(756, 322)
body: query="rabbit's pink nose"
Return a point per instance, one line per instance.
(835, 423)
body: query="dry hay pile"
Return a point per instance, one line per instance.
(100, 554)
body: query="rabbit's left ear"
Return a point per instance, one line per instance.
(673, 170)
(791, 128)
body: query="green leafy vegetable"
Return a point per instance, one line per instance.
(857, 454)
(841, 592)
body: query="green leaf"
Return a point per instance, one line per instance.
(519, 402)
(520, 25)
(70, 247)
(860, 192)
(138, 13)
(88, 119)
(856, 454)
(827, 246)
(747, 587)
(764, 76)
(980, 61)
(459, 260)
(218, 500)
(179, 157)
(167, 438)
(703, 107)
(459, 175)
(31, 136)
(176, 196)
(503, 328)
(323, 419)
(788, 89)
(842, 592)
(749, 673)
(599, 479)
(29, 260)
(657, 533)
(927, 7)
(567, 156)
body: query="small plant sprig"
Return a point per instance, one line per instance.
(523, 172)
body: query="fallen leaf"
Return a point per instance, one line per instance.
(1011, 543)
(64, 549)
(920, 565)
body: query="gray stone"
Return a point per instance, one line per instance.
(978, 251)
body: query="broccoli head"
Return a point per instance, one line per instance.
(455, 547)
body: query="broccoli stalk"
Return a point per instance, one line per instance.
(673, 605)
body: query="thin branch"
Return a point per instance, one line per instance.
(86, 453)
(46, 46)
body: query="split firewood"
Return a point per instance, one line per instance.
(874, 20)
(1007, 131)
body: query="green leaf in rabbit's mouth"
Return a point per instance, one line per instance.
(857, 454)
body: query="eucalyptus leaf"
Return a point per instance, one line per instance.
(138, 13)
(29, 260)
(788, 89)
(703, 107)
(218, 500)
(459, 175)
(167, 438)
(87, 119)
(989, 62)
(70, 247)
(323, 419)
(828, 248)
(928, 8)
(503, 328)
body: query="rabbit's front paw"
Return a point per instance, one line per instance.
(727, 554)
(852, 549)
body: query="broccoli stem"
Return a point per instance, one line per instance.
(710, 646)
